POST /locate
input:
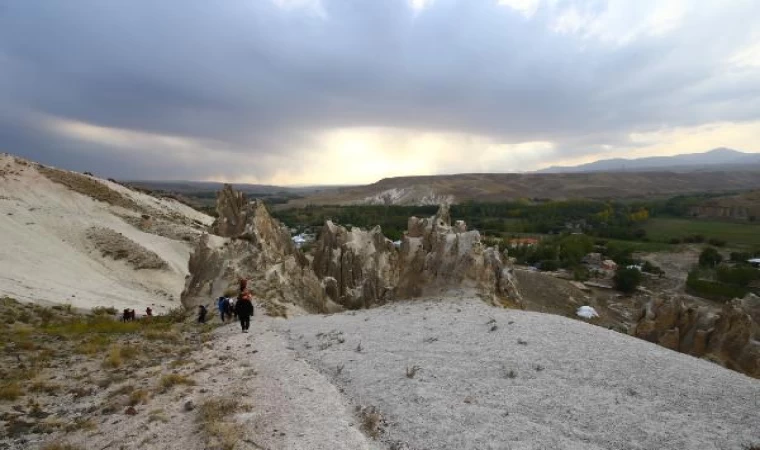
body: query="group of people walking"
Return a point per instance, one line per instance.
(240, 307)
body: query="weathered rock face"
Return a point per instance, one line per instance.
(233, 210)
(361, 267)
(724, 335)
(256, 247)
(365, 269)
(436, 256)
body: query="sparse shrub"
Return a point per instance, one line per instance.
(511, 374)
(80, 423)
(139, 396)
(59, 446)
(157, 415)
(740, 275)
(412, 371)
(174, 379)
(522, 342)
(10, 391)
(740, 257)
(717, 242)
(114, 358)
(211, 419)
(104, 311)
(371, 420)
(42, 386)
(359, 347)
(626, 280)
(710, 257)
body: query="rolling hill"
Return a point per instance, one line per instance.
(715, 159)
(425, 190)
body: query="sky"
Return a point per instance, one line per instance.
(301, 92)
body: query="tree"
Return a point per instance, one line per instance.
(710, 257)
(626, 280)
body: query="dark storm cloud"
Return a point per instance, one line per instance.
(258, 80)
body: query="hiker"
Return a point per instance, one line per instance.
(148, 312)
(202, 314)
(232, 310)
(227, 308)
(244, 308)
(220, 306)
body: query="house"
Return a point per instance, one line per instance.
(523, 242)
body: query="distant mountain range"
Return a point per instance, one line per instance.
(716, 159)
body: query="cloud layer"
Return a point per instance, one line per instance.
(346, 91)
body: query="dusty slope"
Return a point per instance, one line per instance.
(46, 256)
(535, 381)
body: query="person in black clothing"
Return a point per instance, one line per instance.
(244, 309)
(202, 314)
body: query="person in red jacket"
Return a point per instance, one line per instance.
(244, 309)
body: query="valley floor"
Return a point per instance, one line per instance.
(444, 374)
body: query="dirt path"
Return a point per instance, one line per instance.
(295, 407)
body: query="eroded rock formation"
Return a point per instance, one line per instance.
(362, 268)
(359, 268)
(724, 335)
(251, 245)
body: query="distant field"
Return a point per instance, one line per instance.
(646, 247)
(739, 235)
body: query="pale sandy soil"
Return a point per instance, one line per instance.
(45, 255)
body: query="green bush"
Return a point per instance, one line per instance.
(714, 290)
(627, 280)
(710, 257)
(717, 242)
(740, 275)
(740, 257)
(549, 265)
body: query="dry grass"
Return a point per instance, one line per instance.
(139, 397)
(371, 421)
(411, 372)
(59, 446)
(158, 415)
(10, 391)
(114, 359)
(89, 187)
(274, 309)
(213, 421)
(40, 386)
(174, 379)
(80, 423)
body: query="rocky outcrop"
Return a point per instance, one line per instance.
(251, 245)
(726, 335)
(359, 268)
(233, 212)
(363, 268)
(436, 256)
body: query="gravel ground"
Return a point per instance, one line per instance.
(505, 379)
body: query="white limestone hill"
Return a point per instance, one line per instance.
(69, 238)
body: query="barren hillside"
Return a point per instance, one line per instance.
(500, 187)
(69, 238)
